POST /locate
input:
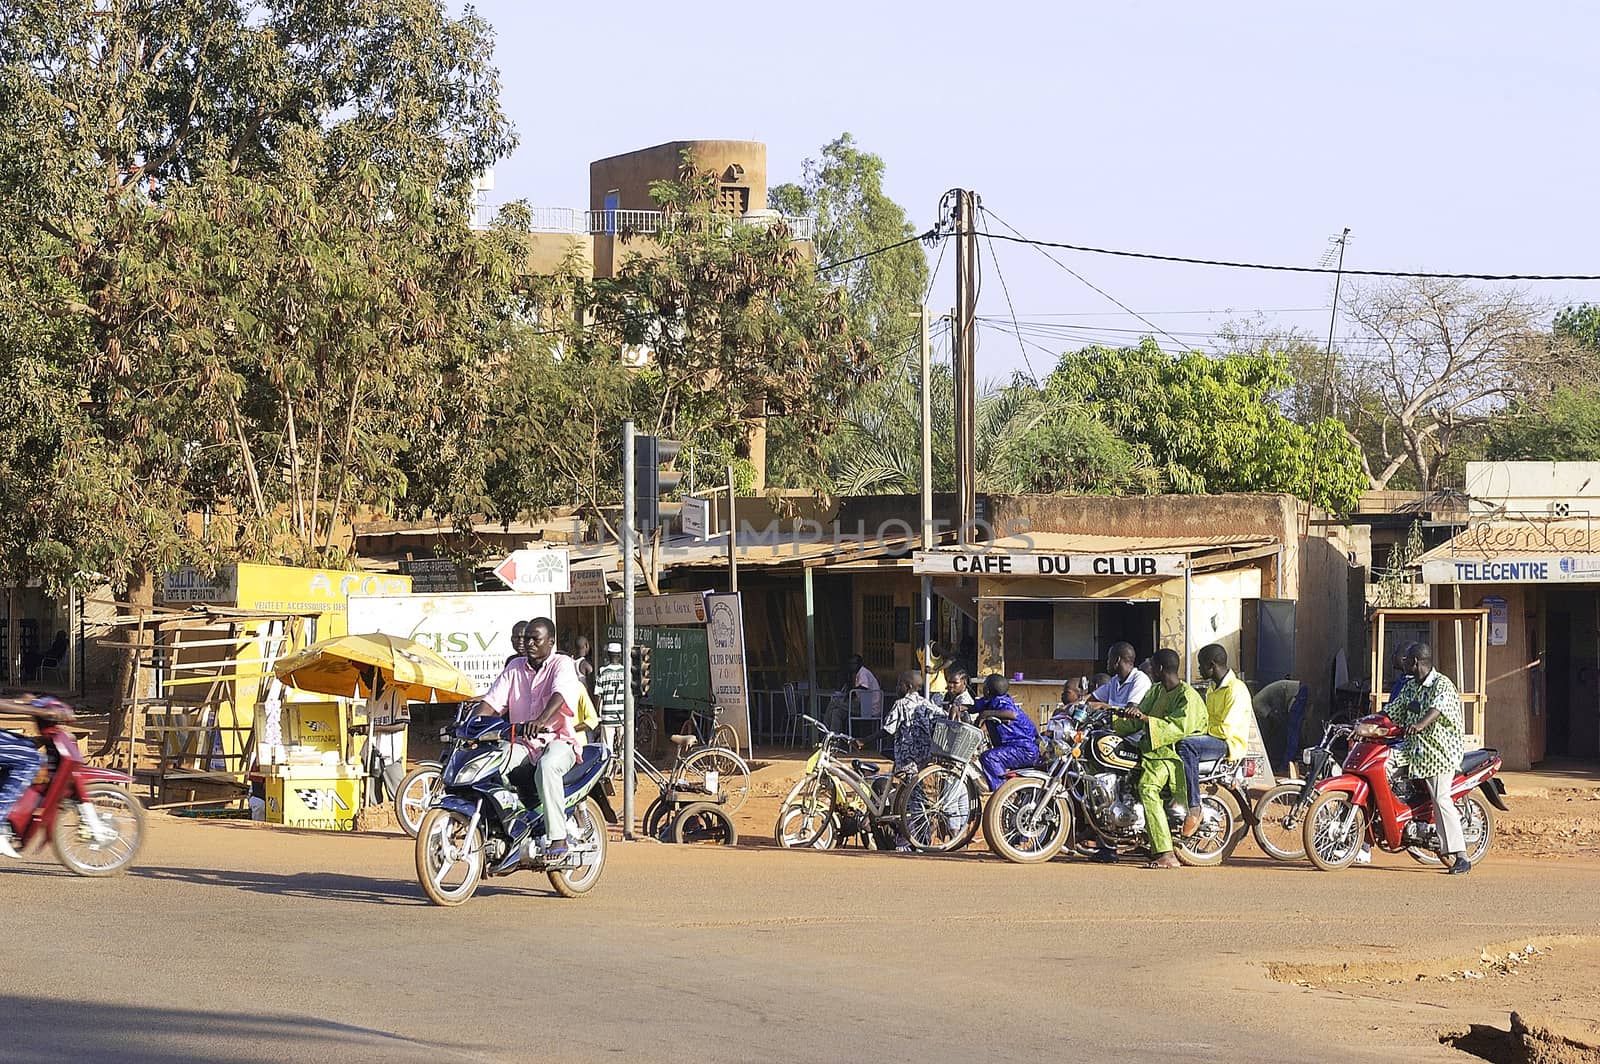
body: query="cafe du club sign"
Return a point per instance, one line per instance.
(1033, 563)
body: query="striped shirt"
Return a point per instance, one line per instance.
(610, 688)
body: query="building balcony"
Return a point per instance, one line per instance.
(628, 222)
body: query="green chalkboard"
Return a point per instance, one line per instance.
(680, 665)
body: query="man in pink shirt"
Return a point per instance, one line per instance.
(539, 694)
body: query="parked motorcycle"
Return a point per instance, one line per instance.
(1373, 798)
(1087, 798)
(1281, 811)
(480, 827)
(94, 825)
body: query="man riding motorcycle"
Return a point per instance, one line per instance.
(1170, 712)
(20, 758)
(539, 694)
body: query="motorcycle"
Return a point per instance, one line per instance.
(1375, 799)
(479, 825)
(1281, 811)
(1087, 797)
(91, 821)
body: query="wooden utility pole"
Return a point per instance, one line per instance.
(963, 360)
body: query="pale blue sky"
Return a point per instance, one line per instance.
(1454, 136)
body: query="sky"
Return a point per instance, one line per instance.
(1453, 137)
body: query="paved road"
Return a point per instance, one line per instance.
(239, 943)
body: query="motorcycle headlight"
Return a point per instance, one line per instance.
(1307, 754)
(478, 767)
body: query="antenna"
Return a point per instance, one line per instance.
(1333, 258)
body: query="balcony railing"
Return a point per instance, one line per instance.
(626, 222)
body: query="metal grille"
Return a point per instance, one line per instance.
(877, 631)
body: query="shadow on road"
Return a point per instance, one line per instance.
(40, 1029)
(326, 886)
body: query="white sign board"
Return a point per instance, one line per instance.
(730, 684)
(472, 631)
(695, 517)
(979, 562)
(1524, 569)
(1499, 620)
(682, 607)
(588, 588)
(535, 572)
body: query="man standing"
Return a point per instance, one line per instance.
(957, 696)
(1128, 683)
(1228, 711)
(611, 688)
(539, 696)
(1171, 712)
(1429, 708)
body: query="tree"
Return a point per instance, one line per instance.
(1563, 425)
(1444, 359)
(1211, 424)
(238, 254)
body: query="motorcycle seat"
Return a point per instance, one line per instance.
(1210, 768)
(865, 768)
(1476, 759)
(685, 741)
(593, 763)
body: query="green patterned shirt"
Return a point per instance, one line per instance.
(1437, 748)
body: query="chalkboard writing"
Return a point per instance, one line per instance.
(680, 665)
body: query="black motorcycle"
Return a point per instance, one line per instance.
(480, 826)
(1088, 797)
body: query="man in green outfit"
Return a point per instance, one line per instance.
(1171, 711)
(1428, 707)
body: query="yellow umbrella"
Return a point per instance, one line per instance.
(337, 666)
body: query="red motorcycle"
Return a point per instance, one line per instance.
(87, 814)
(1374, 800)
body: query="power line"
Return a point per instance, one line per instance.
(929, 235)
(1009, 306)
(1019, 239)
(1279, 268)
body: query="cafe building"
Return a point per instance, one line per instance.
(1530, 555)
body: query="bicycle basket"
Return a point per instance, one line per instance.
(955, 740)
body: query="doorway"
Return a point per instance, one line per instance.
(1572, 672)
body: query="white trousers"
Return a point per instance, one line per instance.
(554, 763)
(1446, 817)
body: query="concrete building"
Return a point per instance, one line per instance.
(621, 218)
(1530, 553)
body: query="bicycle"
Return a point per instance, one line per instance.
(710, 775)
(836, 801)
(941, 805)
(702, 723)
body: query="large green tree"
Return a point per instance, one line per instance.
(1211, 424)
(1563, 424)
(240, 271)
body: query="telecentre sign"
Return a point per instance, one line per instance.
(1033, 563)
(1549, 569)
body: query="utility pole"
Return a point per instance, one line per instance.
(927, 503)
(629, 707)
(963, 359)
(733, 539)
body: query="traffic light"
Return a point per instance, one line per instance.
(641, 675)
(650, 453)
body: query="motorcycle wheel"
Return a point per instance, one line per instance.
(1477, 829)
(1334, 830)
(415, 794)
(449, 863)
(1022, 825)
(1214, 839)
(806, 819)
(939, 809)
(733, 774)
(1278, 822)
(704, 823)
(576, 882)
(121, 820)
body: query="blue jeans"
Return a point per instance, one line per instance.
(1193, 750)
(19, 763)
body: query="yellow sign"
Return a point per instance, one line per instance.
(326, 803)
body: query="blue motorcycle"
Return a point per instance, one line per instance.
(478, 824)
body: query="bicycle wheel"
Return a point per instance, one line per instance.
(1279, 816)
(704, 824)
(644, 731)
(657, 815)
(725, 736)
(720, 764)
(415, 796)
(939, 809)
(806, 818)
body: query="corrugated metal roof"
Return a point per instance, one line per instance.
(1084, 543)
(1530, 537)
(760, 553)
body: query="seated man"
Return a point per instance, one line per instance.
(1125, 684)
(860, 684)
(958, 699)
(1228, 712)
(1013, 738)
(1171, 711)
(539, 694)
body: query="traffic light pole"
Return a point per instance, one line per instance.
(629, 702)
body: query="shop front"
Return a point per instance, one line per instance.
(1540, 583)
(40, 640)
